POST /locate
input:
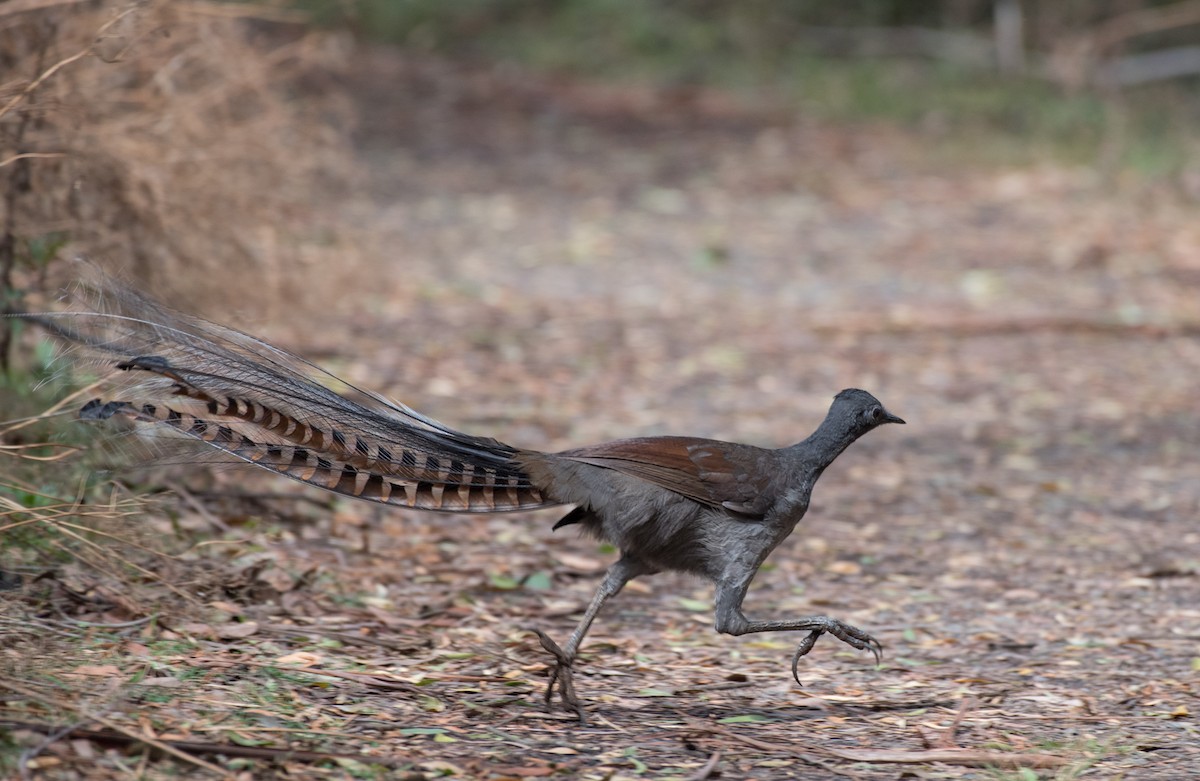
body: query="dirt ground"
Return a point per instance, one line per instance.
(559, 265)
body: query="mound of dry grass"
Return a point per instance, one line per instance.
(180, 143)
(190, 147)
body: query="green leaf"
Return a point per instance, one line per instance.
(422, 731)
(538, 581)
(444, 739)
(431, 704)
(695, 605)
(1026, 774)
(639, 766)
(502, 582)
(711, 256)
(242, 740)
(42, 249)
(746, 719)
(656, 693)
(355, 768)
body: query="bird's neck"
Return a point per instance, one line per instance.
(806, 461)
(824, 445)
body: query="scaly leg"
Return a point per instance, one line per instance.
(620, 573)
(731, 621)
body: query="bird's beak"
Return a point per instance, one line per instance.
(890, 418)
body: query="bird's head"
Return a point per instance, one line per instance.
(860, 410)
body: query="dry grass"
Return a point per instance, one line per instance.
(191, 148)
(178, 144)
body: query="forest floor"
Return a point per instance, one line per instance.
(560, 264)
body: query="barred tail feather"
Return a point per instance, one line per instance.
(445, 484)
(249, 399)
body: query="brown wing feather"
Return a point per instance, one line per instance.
(718, 474)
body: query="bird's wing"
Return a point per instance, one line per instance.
(717, 474)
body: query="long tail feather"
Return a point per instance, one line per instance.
(256, 402)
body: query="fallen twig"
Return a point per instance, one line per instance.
(373, 681)
(761, 745)
(30, 156)
(946, 738)
(950, 756)
(118, 732)
(186, 748)
(706, 771)
(345, 637)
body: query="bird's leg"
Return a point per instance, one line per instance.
(561, 676)
(731, 621)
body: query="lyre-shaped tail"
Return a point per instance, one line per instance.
(256, 402)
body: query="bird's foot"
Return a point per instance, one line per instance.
(562, 677)
(850, 635)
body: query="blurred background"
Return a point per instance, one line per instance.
(745, 173)
(563, 221)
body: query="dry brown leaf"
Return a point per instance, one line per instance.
(195, 629)
(96, 670)
(300, 658)
(236, 630)
(524, 772)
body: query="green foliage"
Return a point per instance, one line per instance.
(754, 46)
(47, 464)
(615, 28)
(10, 751)
(33, 385)
(667, 39)
(35, 253)
(41, 250)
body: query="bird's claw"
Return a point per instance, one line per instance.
(850, 635)
(562, 676)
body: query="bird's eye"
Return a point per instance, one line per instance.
(876, 413)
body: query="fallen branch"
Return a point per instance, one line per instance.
(948, 756)
(119, 733)
(185, 749)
